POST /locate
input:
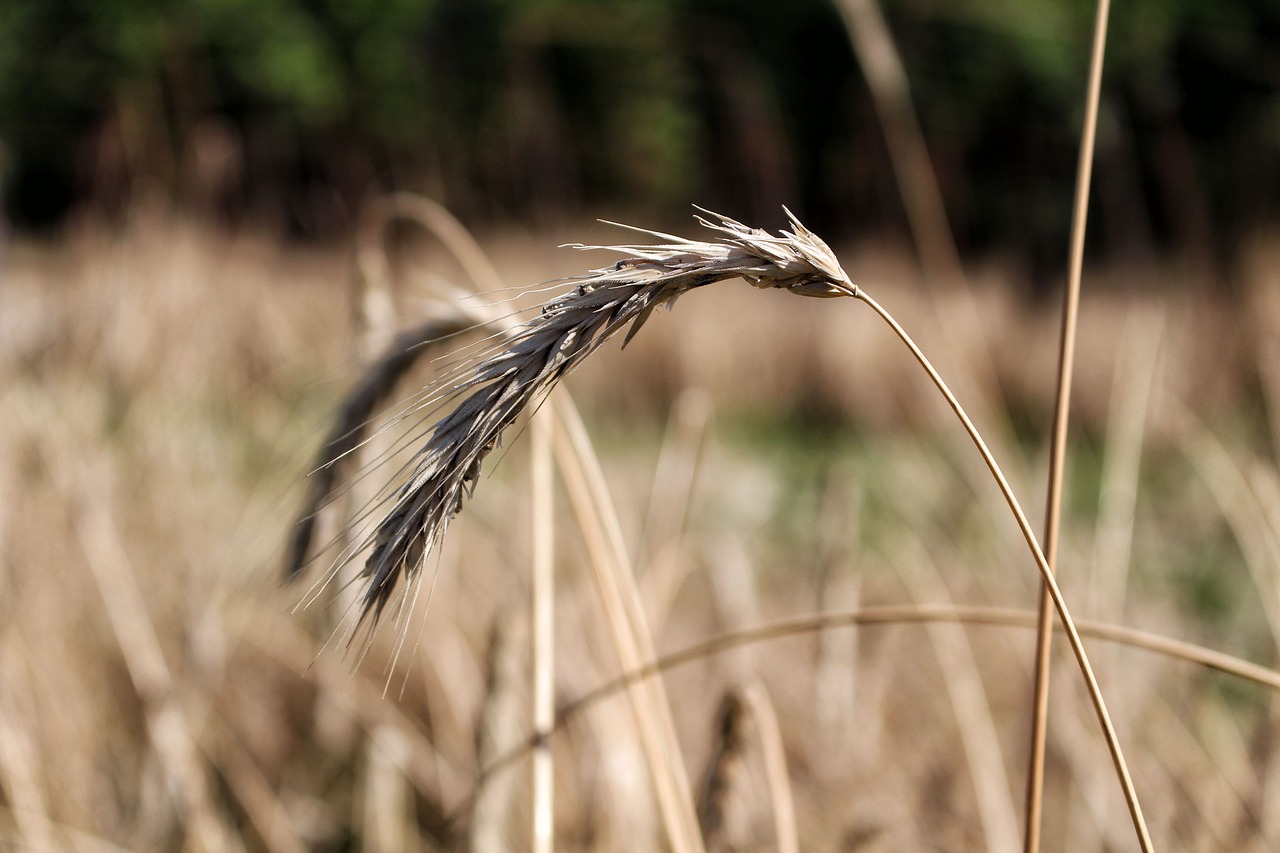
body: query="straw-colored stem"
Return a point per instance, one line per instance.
(1059, 603)
(893, 614)
(903, 614)
(1058, 452)
(615, 584)
(543, 621)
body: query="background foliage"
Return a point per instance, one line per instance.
(293, 112)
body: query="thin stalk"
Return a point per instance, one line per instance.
(925, 614)
(1058, 452)
(1051, 585)
(891, 614)
(543, 604)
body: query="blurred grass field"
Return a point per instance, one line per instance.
(166, 386)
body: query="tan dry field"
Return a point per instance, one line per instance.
(165, 389)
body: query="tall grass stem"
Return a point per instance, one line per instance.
(1058, 452)
(542, 602)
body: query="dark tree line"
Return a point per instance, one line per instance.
(292, 112)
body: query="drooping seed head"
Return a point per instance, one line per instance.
(506, 379)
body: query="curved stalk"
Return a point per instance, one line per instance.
(1046, 573)
(886, 614)
(915, 614)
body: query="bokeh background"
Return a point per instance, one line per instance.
(193, 194)
(290, 114)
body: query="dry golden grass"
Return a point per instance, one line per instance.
(165, 389)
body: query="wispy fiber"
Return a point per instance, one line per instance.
(533, 357)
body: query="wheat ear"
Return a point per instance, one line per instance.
(528, 361)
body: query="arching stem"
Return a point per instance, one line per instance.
(1051, 585)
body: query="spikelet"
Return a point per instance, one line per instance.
(510, 378)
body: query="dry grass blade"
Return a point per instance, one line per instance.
(254, 793)
(1226, 480)
(387, 801)
(918, 183)
(1109, 567)
(664, 560)
(428, 768)
(533, 357)
(436, 219)
(542, 618)
(1131, 401)
(886, 77)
